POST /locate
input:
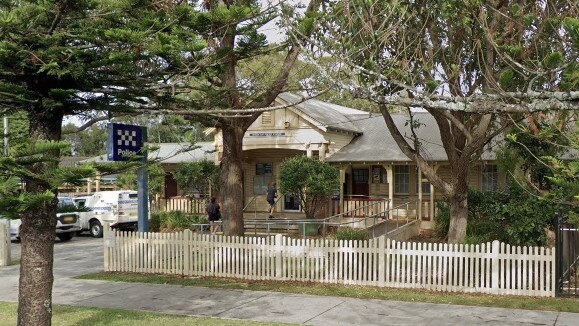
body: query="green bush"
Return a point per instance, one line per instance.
(346, 233)
(177, 220)
(514, 217)
(155, 222)
(442, 220)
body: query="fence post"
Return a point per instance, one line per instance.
(558, 254)
(278, 259)
(495, 267)
(186, 251)
(109, 242)
(5, 258)
(381, 260)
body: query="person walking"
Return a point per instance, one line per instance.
(213, 214)
(271, 196)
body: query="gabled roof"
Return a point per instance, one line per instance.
(173, 153)
(375, 144)
(326, 115)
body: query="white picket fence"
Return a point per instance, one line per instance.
(4, 244)
(493, 268)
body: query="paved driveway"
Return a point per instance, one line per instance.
(81, 255)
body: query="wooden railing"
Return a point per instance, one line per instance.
(354, 206)
(486, 268)
(184, 204)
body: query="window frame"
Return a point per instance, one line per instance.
(397, 181)
(492, 184)
(263, 177)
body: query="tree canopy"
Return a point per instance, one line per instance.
(310, 180)
(467, 63)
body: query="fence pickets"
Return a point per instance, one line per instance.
(494, 268)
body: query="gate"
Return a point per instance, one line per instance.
(567, 260)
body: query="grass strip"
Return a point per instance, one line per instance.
(361, 292)
(80, 316)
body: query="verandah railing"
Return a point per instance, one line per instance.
(185, 204)
(487, 268)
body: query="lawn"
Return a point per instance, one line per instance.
(361, 292)
(77, 316)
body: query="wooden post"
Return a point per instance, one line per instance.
(419, 208)
(381, 260)
(342, 180)
(495, 266)
(390, 177)
(278, 257)
(5, 259)
(97, 182)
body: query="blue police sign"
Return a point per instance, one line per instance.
(124, 141)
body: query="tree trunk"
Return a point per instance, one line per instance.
(38, 232)
(458, 211)
(231, 178)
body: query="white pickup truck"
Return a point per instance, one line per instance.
(118, 208)
(67, 223)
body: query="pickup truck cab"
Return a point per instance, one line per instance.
(118, 208)
(67, 221)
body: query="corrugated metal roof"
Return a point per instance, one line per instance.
(375, 144)
(329, 115)
(173, 153)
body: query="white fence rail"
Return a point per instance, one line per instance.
(4, 244)
(487, 268)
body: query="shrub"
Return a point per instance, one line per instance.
(514, 217)
(174, 221)
(346, 233)
(155, 222)
(442, 220)
(312, 181)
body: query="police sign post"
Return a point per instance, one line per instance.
(124, 143)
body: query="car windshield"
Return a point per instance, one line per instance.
(65, 201)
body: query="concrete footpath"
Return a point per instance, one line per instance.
(252, 305)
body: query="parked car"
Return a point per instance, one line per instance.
(67, 221)
(118, 208)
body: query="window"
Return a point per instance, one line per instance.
(425, 184)
(263, 177)
(401, 179)
(490, 178)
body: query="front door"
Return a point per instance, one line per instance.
(360, 182)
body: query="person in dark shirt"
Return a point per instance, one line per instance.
(271, 196)
(213, 214)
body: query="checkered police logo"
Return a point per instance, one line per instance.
(127, 138)
(125, 141)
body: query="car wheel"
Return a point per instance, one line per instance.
(65, 236)
(96, 229)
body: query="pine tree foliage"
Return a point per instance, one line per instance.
(59, 58)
